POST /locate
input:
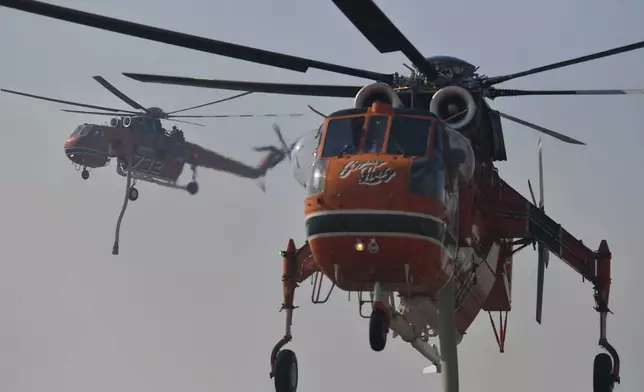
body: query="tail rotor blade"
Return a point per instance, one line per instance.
(540, 281)
(543, 254)
(546, 256)
(285, 146)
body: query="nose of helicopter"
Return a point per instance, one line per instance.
(82, 155)
(70, 148)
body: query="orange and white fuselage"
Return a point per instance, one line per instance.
(362, 231)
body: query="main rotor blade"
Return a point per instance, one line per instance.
(185, 122)
(240, 115)
(211, 103)
(606, 53)
(119, 94)
(318, 90)
(382, 33)
(547, 131)
(493, 93)
(96, 113)
(221, 48)
(68, 102)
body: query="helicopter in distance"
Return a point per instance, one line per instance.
(145, 151)
(403, 203)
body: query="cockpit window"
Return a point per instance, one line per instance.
(409, 136)
(85, 130)
(376, 133)
(343, 136)
(96, 132)
(78, 129)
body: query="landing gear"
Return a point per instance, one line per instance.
(603, 379)
(378, 329)
(283, 362)
(379, 320)
(286, 371)
(192, 186)
(133, 194)
(606, 365)
(85, 174)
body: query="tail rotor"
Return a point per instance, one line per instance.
(275, 154)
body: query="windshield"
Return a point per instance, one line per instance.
(343, 136)
(78, 129)
(85, 130)
(376, 133)
(409, 136)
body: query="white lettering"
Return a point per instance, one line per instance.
(371, 172)
(147, 164)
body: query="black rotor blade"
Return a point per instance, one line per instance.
(68, 102)
(96, 113)
(210, 103)
(239, 115)
(318, 90)
(314, 110)
(221, 48)
(606, 53)
(493, 93)
(382, 33)
(280, 137)
(186, 122)
(541, 129)
(118, 93)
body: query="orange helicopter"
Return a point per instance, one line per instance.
(145, 151)
(403, 199)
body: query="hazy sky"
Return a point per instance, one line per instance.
(192, 302)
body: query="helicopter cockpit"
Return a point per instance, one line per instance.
(408, 136)
(84, 130)
(410, 133)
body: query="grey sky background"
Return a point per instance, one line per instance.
(192, 302)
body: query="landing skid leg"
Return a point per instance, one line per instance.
(447, 338)
(115, 247)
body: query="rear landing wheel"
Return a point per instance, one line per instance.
(603, 380)
(192, 187)
(378, 330)
(133, 194)
(286, 371)
(85, 174)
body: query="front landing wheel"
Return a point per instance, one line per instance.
(192, 188)
(378, 329)
(133, 194)
(603, 380)
(286, 371)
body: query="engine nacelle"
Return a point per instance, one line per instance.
(114, 122)
(127, 120)
(376, 92)
(450, 101)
